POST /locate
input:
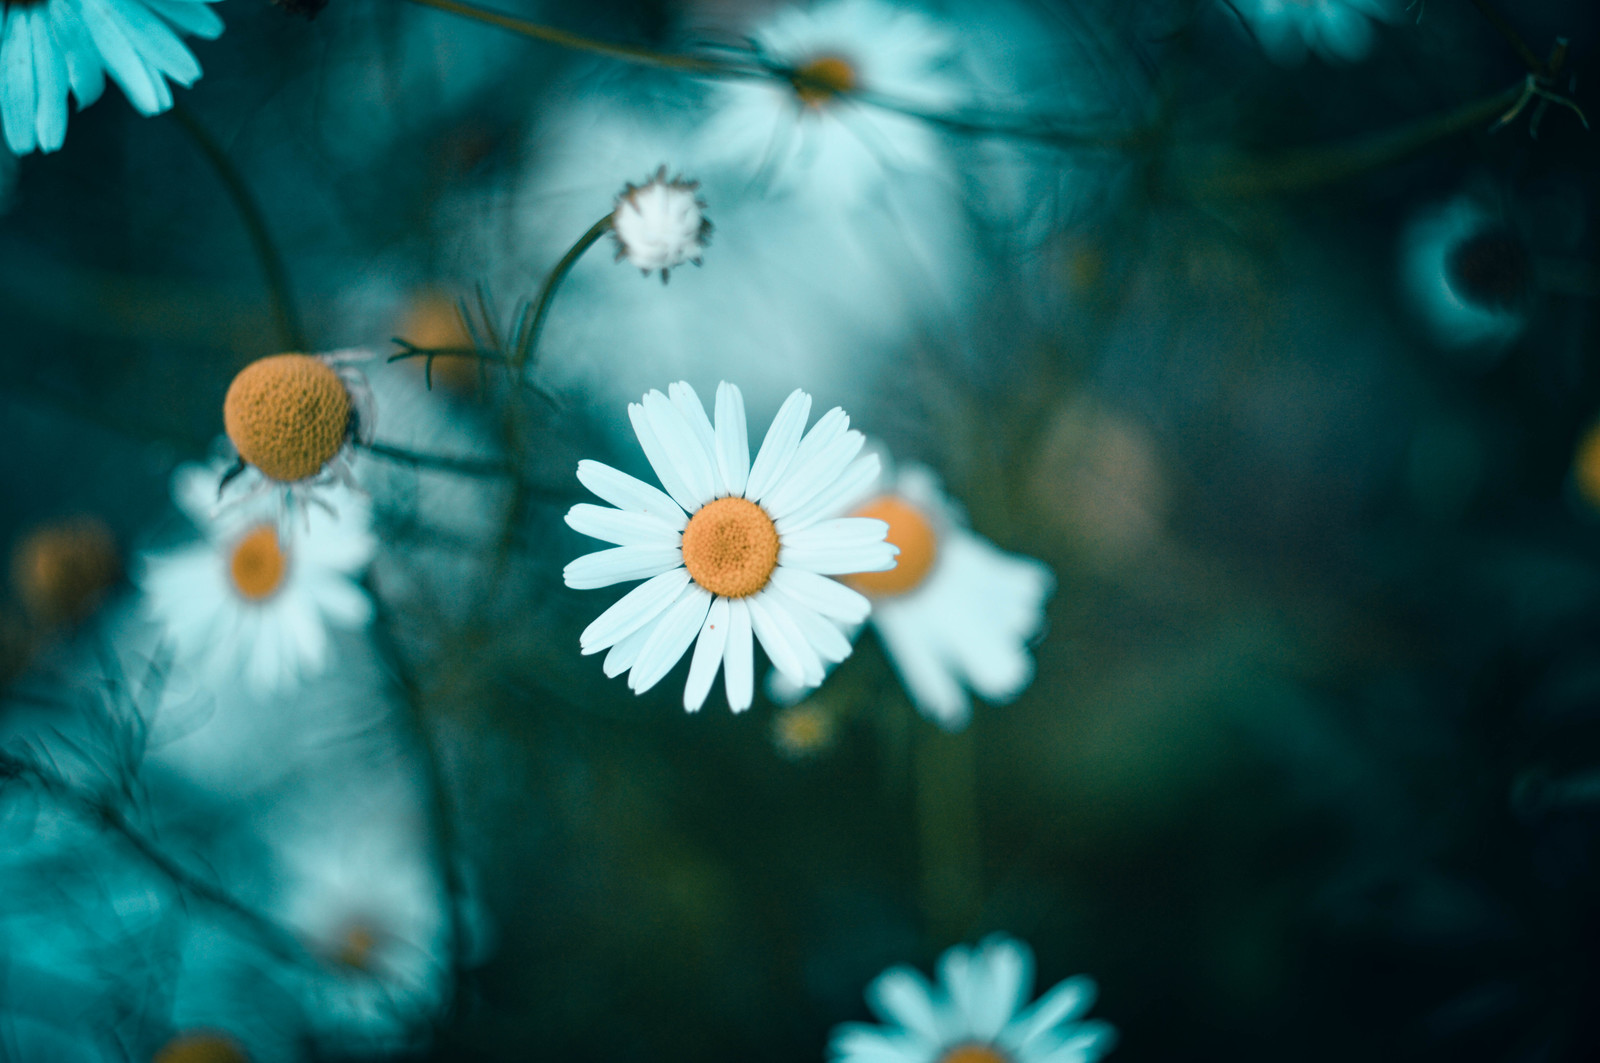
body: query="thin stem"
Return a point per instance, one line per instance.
(1534, 64)
(1328, 164)
(440, 463)
(290, 333)
(528, 343)
(947, 830)
(550, 35)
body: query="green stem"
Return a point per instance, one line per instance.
(439, 463)
(1534, 64)
(528, 343)
(947, 831)
(290, 333)
(550, 35)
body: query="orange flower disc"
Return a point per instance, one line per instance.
(201, 1048)
(287, 415)
(730, 547)
(912, 532)
(974, 1053)
(258, 564)
(821, 79)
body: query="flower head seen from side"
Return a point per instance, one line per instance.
(812, 123)
(660, 224)
(732, 548)
(49, 48)
(1467, 275)
(294, 418)
(957, 612)
(1339, 30)
(254, 599)
(977, 1013)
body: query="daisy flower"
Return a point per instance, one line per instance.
(956, 612)
(51, 47)
(975, 1014)
(814, 115)
(1467, 274)
(294, 418)
(1334, 29)
(255, 599)
(732, 548)
(660, 224)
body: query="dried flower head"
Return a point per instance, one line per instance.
(660, 224)
(62, 571)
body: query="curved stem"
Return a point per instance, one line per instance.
(290, 333)
(528, 342)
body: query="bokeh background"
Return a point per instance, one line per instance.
(1311, 765)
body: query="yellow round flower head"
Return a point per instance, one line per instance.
(911, 531)
(730, 547)
(62, 570)
(258, 564)
(819, 80)
(288, 415)
(201, 1048)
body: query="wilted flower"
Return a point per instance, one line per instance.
(63, 570)
(1468, 275)
(660, 224)
(976, 1014)
(255, 599)
(1334, 29)
(51, 47)
(814, 117)
(737, 548)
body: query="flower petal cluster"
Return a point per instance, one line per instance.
(976, 1013)
(660, 224)
(49, 48)
(1339, 30)
(732, 548)
(254, 600)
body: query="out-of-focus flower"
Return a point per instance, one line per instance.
(1334, 29)
(1467, 274)
(813, 125)
(738, 548)
(294, 417)
(51, 47)
(957, 611)
(1586, 467)
(433, 322)
(804, 730)
(660, 224)
(255, 599)
(976, 1014)
(62, 571)
(206, 1046)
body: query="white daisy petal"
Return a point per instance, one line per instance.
(626, 492)
(927, 677)
(626, 651)
(812, 476)
(822, 635)
(827, 596)
(783, 640)
(853, 487)
(1064, 1002)
(671, 636)
(661, 460)
(733, 441)
(738, 663)
(620, 526)
(840, 546)
(620, 564)
(901, 995)
(708, 652)
(691, 459)
(687, 403)
(782, 440)
(855, 1042)
(84, 72)
(634, 610)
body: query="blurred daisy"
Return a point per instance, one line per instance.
(957, 611)
(732, 548)
(812, 124)
(1334, 29)
(293, 418)
(254, 599)
(976, 1014)
(204, 1046)
(660, 224)
(63, 570)
(51, 47)
(1467, 275)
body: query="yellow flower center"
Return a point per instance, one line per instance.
(356, 947)
(62, 570)
(821, 79)
(912, 532)
(973, 1053)
(1586, 467)
(802, 730)
(258, 564)
(730, 547)
(287, 415)
(201, 1048)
